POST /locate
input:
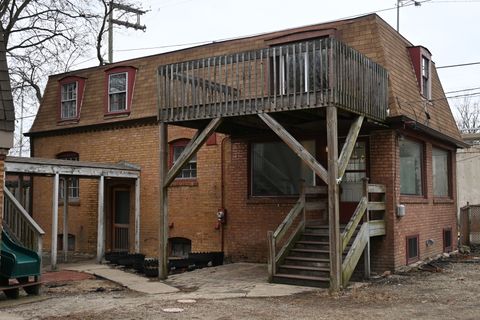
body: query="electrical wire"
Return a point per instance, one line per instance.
(459, 65)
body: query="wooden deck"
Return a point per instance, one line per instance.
(303, 75)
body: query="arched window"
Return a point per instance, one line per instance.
(74, 185)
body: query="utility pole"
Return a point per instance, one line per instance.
(401, 3)
(112, 21)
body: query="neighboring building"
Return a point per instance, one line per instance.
(7, 115)
(468, 173)
(385, 90)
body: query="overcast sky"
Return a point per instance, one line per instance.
(449, 29)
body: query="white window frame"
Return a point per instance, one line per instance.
(111, 93)
(68, 100)
(426, 91)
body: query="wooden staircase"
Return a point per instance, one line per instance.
(304, 258)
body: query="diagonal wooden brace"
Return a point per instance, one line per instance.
(192, 147)
(348, 146)
(296, 147)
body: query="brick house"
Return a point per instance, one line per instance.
(330, 104)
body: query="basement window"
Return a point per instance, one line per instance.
(413, 252)
(447, 240)
(276, 170)
(180, 247)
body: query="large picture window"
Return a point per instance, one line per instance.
(276, 170)
(411, 162)
(440, 173)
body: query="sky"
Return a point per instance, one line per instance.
(450, 29)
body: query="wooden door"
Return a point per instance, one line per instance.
(121, 219)
(351, 188)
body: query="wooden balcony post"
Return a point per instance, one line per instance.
(137, 215)
(163, 219)
(366, 219)
(333, 201)
(101, 220)
(65, 218)
(56, 179)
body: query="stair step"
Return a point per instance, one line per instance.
(301, 277)
(323, 260)
(319, 243)
(315, 234)
(309, 250)
(306, 268)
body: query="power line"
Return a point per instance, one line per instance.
(459, 65)
(461, 90)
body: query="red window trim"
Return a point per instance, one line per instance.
(131, 75)
(447, 249)
(80, 91)
(416, 55)
(414, 259)
(182, 142)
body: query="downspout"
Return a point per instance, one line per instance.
(222, 190)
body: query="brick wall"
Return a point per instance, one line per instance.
(193, 204)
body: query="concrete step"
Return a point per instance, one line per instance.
(301, 280)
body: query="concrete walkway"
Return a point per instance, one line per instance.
(228, 281)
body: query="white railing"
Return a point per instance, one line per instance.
(21, 225)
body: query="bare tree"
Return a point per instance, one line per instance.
(468, 115)
(44, 37)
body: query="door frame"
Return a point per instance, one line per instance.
(114, 225)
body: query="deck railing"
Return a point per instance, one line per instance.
(300, 75)
(20, 224)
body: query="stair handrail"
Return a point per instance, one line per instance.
(362, 239)
(273, 237)
(21, 224)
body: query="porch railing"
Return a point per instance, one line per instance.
(295, 76)
(369, 228)
(20, 224)
(274, 238)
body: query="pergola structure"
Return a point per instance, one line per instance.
(58, 169)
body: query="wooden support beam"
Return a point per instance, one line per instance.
(296, 147)
(333, 202)
(65, 219)
(366, 219)
(137, 215)
(163, 196)
(349, 146)
(191, 149)
(56, 180)
(101, 220)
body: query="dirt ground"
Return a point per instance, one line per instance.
(450, 293)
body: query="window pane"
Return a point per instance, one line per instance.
(410, 167)
(118, 83)
(118, 102)
(276, 170)
(440, 172)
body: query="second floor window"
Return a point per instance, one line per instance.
(189, 171)
(426, 85)
(73, 182)
(69, 100)
(117, 92)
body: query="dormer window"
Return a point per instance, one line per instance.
(422, 65)
(119, 90)
(426, 83)
(70, 98)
